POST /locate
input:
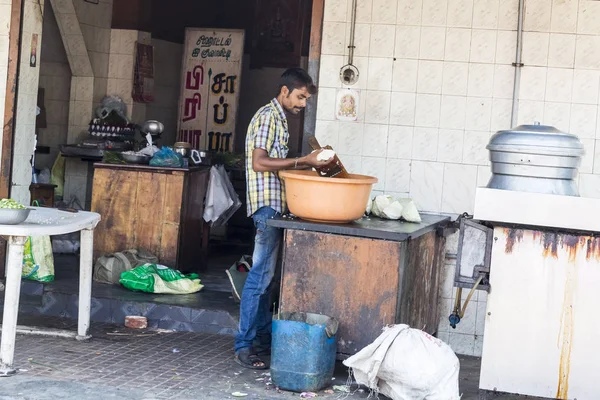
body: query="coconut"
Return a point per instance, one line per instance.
(379, 203)
(409, 210)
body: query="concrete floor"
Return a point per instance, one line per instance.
(123, 364)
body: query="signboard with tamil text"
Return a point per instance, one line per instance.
(210, 82)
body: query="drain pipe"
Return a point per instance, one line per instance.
(349, 73)
(517, 64)
(352, 33)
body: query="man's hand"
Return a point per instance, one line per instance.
(312, 161)
(261, 162)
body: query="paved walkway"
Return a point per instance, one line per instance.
(123, 364)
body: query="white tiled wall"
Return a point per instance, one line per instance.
(85, 31)
(561, 80)
(95, 23)
(433, 87)
(101, 60)
(120, 68)
(436, 81)
(55, 78)
(467, 337)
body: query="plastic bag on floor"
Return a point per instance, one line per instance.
(405, 363)
(155, 278)
(38, 260)
(108, 268)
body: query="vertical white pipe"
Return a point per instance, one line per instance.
(11, 304)
(517, 64)
(85, 283)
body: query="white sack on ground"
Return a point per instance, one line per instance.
(407, 364)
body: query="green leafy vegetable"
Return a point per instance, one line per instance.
(12, 204)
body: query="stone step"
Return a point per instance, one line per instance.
(24, 300)
(207, 311)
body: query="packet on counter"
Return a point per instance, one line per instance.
(409, 210)
(388, 207)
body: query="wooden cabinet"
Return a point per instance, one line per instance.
(159, 209)
(42, 194)
(366, 274)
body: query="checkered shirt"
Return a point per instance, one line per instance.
(268, 130)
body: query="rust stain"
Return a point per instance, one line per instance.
(593, 248)
(572, 246)
(566, 334)
(571, 243)
(512, 236)
(550, 242)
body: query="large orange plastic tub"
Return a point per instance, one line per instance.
(333, 200)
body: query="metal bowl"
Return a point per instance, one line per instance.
(11, 216)
(136, 159)
(153, 127)
(183, 148)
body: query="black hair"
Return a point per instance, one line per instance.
(297, 78)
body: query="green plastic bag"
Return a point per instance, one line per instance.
(38, 259)
(153, 278)
(57, 175)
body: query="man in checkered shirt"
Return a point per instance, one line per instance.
(266, 152)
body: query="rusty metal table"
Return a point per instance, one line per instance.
(367, 274)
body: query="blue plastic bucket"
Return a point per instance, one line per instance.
(303, 351)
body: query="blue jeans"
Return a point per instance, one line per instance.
(255, 317)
